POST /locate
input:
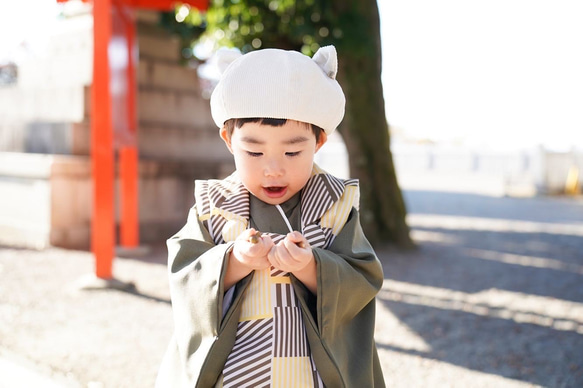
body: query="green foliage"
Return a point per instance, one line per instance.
(253, 24)
(306, 25)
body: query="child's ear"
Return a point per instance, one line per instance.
(321, 141)
(225, 136)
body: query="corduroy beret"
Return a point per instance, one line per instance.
(281, 84)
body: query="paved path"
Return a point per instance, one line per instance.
(492, 297)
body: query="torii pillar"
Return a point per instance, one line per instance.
(109, 135)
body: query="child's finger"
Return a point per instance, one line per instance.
(298, 239)
(272, 257)
(279, 255)
(255, 237)
(246, 234)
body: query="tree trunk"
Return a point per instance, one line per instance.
(365, 129)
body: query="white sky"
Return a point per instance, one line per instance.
(503, 73)
(500, 72)
(28, 20)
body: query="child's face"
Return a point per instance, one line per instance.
(274, 163)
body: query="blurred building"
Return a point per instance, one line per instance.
(45, 170)
(445, 167)
(515, 172)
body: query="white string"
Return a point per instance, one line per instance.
(284, 218)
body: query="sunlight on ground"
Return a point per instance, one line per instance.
(402, 336)
(461, 223)
(524, 260)
(26, 376)
(436, 237)
(408, 360)
(412, 371)
(493, 303)
(492, 224)
(421, 236)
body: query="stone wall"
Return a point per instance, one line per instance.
(45, 170)
(175, 120)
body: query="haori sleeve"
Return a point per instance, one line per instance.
(196, 267)
(349, 276)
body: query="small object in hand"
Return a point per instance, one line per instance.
(254, 239)
(301, 244)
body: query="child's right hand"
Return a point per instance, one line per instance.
(252, 256)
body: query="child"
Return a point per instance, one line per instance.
(272, 280)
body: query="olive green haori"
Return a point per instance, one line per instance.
(339, 321)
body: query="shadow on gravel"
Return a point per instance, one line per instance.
(527, 352)
(495, 286)
(534, 263)
(155, 253)
(135, 292)
(553, 209)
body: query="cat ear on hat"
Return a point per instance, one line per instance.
(326, 58)
(224, 57)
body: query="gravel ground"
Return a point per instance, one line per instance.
(493, 297)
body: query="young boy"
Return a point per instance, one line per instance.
(272, 280)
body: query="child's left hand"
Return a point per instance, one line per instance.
(291, 254)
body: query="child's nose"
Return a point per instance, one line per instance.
(273, 168)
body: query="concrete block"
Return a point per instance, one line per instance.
(80, 138)
(160, 143)
(24, 204)
(204, 118)
(77, 167)
(78, 237)
(165, 198)
(147, 16)
(182, 143)
(166, 75)
(162, 46)
(172, 107)
(47, 199)
(11, 136)
(25, 166)
(158, 198)
(86, 103)
(70, 202)
(47, 137)
(63, 211)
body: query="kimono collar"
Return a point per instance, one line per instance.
(229, 200)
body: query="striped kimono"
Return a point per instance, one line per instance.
(267, 330)
(271, 346)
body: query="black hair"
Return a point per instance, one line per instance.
(231, 124)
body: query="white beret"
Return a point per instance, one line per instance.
(280, 84)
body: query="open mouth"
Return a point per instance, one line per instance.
(275, 191)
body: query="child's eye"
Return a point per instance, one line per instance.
(254, 154)
(292, 153)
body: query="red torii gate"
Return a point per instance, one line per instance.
(113, 19)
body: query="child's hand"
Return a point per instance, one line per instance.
(252, 255)
(292, 254)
